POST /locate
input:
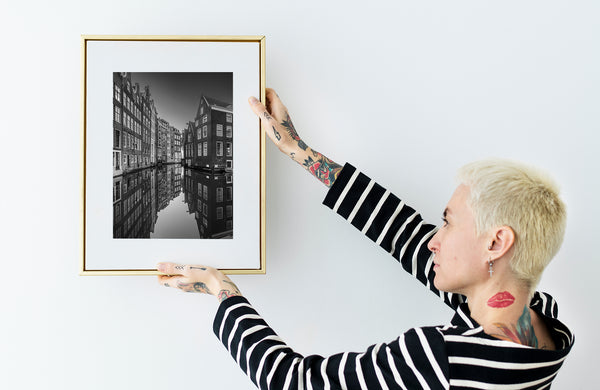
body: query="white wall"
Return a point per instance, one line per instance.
(406, 91)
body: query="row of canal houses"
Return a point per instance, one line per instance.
(141, 139)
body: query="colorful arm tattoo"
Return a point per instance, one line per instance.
(225, 293)
(324, 169)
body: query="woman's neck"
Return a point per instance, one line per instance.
(503, 311)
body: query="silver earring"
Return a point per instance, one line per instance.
(491, 263)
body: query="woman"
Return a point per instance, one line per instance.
(501, 227)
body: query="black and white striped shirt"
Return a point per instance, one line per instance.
(456, 356)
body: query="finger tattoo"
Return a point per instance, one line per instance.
(277, 135)
(202, 268)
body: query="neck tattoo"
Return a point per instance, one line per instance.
(521, 332)
(501, 299)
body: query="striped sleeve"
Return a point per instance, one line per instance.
(389, 222)
(415, 360)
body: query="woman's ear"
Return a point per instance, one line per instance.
(503, 239)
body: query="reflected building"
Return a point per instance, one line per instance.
(209, 197)
(139, 196)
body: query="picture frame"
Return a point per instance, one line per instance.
(188, 154)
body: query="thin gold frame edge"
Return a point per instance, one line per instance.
(260, 39)
(209, 38)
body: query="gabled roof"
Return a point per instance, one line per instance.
(215, 104)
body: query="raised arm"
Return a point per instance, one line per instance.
(277, 124)
(377, 213)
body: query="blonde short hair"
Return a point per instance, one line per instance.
(508, 193)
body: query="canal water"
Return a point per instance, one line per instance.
(173, 202)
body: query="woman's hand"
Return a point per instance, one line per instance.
(197, 278)
(277, 124)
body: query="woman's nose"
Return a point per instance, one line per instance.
(433, 244)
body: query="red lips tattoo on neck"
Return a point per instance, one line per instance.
(502, 299)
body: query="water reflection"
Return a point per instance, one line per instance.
(152, 203)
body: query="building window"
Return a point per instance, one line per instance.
(229, 224)
(205, 148)
(197, 122)
(117, 114)
(204, 118)
(117, 161)
(229, 149)
(229, 211)
(229, 118)
(117, 211)
(228, 165)
(219, 130)
(229, 193)
(219, 212)
(198, 134)
(204, 209)
(201, 110)
(204, 131)
(117, 139)
(199, 150)
(205, 192)
(199, 190)
(229, 179)
(117, 93)
(219, 148)
(229, 131)
(219, 194)
(117, 191)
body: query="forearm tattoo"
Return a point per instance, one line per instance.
(228, 293)
(324, 169)
(289, 126)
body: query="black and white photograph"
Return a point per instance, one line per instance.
(172, 155)
(165, 189)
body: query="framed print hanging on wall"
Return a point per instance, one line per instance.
(173, 156)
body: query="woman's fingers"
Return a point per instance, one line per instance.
(172, 269)
(269, 124)
(185, 284)
(188, 278)
(169, 280)
(259, 109)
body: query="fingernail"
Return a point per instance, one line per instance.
(160, 267)
(253, 100)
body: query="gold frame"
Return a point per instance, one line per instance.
(175, 38)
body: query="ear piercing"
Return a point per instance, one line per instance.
(491, 263)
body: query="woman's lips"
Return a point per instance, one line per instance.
(502, 299)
